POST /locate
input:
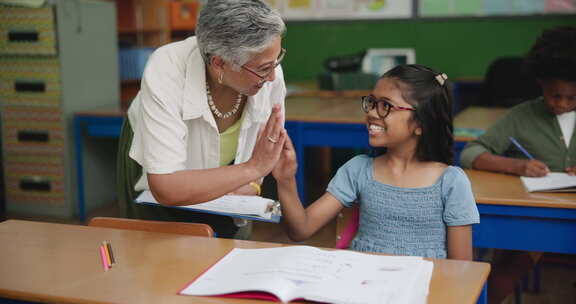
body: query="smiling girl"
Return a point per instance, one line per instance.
(412, 201)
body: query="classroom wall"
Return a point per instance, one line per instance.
(460, 47)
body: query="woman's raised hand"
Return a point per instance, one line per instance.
(269, 144)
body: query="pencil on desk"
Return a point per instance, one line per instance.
(103, 256)
(517, 144)
(110, 253)
(107, 251)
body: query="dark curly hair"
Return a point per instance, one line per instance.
(553, 56)
(433, 103)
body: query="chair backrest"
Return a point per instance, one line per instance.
(347, 226)
(507, 83)
(195, 229)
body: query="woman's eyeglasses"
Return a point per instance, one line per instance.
(266, 72)
(383, 107)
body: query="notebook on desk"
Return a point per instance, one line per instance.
(240, 206)
(301, 272)
(553, 182)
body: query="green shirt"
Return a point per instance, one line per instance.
(229, 142)
(535, 128)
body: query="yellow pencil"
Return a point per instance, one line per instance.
(105, 245)
(111, 252)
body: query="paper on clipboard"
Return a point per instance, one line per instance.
(245, 206)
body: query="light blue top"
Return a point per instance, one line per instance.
(404, 221)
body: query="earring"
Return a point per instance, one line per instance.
(220, 78)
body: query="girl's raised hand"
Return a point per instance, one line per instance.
(287, 165)
(269, 144)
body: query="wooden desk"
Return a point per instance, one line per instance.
(101, 123)
(479, 118)
(512, 218)
(471, 123)
(61, 263)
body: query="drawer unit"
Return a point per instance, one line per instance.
(29, 81)
(32, 130)
(27, 31)
(33, 179)
(55, 60)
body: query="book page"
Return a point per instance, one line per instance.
(550, 182)
(279, 272)
(364, 278)
(317, 275)
(238, 204)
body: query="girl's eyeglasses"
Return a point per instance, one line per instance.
(263, 76)
(383, 107)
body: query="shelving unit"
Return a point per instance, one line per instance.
(147, 24)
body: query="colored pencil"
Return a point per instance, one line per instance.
(103, 256)
(107, 254)
(111, 253)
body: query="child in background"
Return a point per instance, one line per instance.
(543, 126)
(412, 201)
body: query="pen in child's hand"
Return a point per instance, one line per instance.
(517, 144)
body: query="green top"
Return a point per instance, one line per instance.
(229, 142)
(535, 128)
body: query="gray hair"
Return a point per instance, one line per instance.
(236, 29)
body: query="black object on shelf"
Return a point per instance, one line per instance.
(346, 63)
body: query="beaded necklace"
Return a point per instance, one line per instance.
(215, 110)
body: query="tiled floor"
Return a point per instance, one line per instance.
(269, 232)
(558, 286)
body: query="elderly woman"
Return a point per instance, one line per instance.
(208, 119)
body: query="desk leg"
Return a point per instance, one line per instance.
(483, 298)
(295, 132)
(79, 167)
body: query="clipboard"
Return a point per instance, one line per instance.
(238, 206)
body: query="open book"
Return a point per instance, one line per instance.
(303, 272)
(553, 182)
(240, 206)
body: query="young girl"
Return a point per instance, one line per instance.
(412, 202)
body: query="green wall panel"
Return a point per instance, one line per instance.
(459, 47)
